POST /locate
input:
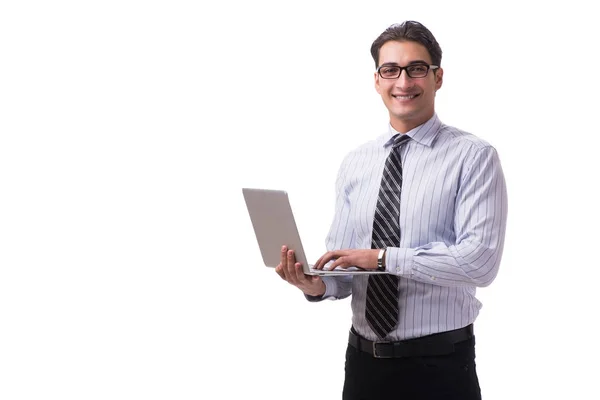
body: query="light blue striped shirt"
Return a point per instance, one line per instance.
(452, 222)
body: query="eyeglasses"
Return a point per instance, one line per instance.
(413, 71)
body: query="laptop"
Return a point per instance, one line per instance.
(274, 226)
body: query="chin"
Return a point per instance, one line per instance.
(405, 114)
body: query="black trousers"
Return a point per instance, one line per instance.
(446, 377)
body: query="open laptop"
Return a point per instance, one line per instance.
(274, 226)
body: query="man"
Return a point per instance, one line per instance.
(426, 203)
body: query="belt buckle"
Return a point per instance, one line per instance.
(375, 354)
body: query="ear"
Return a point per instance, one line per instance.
(439, 78)
(376, 77)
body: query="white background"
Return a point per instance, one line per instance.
(128, 265)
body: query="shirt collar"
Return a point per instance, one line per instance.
(424, 133)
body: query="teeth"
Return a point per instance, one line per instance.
(405, 97)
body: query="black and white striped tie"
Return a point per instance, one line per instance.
(382, 290)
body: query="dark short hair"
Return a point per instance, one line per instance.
(408, 31)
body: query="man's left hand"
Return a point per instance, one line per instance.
(362, 258)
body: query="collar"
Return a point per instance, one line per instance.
(424, 134)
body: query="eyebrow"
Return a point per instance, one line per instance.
(394, 64)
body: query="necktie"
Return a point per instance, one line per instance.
(382, 290)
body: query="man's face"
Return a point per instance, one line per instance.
(410, 101)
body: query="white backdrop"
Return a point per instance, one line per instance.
(128, 265)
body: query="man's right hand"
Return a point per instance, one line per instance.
(291, 271)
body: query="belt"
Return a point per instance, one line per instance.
(432, 345)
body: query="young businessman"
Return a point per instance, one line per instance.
(426, 202)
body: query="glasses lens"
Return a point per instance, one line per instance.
(417, 71)
(389, 72)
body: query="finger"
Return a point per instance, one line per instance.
(330, 255)
(300, 277)
(291, 271)
(341, 262)
(317, 262)
(279, 270)
(283, 257)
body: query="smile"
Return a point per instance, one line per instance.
(397, 96)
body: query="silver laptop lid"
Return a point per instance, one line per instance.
(274, 225)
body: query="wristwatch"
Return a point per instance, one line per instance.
(381, 260)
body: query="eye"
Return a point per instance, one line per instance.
(419, 69)
(389, 71)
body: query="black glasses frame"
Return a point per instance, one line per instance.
(400, 69)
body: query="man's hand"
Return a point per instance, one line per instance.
(291, 271)
(365, 259)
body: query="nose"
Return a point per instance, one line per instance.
(404, 81)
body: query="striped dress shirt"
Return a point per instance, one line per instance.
(452, 223)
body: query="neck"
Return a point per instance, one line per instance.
(405, 125)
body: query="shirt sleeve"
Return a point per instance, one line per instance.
(340, 236)
(479, 226)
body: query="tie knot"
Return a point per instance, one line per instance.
(399, 140)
